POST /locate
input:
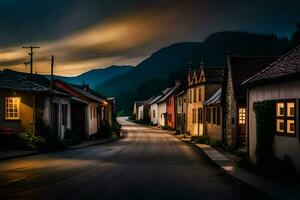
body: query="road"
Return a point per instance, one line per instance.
(148, 164)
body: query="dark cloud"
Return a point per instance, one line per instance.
(82, 33)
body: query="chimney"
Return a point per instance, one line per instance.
(177, 82)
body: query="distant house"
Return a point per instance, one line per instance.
(239, 68)
(144, 110)
(91, 114)
(280, 83)
(154, 110)
(25, 104)
(180, 111)
(213, 122)
(136, 106)
(140, 115)
(202, 84)
(170, 103)
(162, 108)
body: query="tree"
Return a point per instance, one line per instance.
(296, 35)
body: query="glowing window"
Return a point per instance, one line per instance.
(285, 118)
(12, 108)
(242, 116)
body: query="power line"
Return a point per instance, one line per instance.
(31, 56)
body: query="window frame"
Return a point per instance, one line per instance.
(18, 109)
(286, 118)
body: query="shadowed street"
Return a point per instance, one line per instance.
(148, 164)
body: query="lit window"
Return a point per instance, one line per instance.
(285, 118)
(242, 116)
(12, 108)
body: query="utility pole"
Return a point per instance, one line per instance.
(31, 56)
(51, 94)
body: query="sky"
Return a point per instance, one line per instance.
(88, 34)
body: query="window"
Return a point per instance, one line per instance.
(95, 112)
(200, 115)
(195, 95)
(179, 102)
(199, 95)
(219, 116)
(285, 118)
(214, 113)
(65, 114)
(12, 108)
(208, 115)
(169, 117)
(190, 96)
(194, 116)
(242, 116)
(153, 113)
(91, 112)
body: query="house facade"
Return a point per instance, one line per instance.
(180, 111)
(239, 68)
(202, 83)
(279, 83)
(153, 112)
(25, 103)
(213, 121)
(170, 105)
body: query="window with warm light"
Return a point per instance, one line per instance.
(242, 116)
(12, 108)
(285, 117)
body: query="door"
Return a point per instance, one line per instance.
(241, 129)
(200, 121)
(55, 118)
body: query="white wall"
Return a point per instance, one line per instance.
(162, 109)
(140, 112)
(91, 118)
(154, 108)
(283, 145)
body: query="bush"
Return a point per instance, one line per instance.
(206, 140)
(28, 141)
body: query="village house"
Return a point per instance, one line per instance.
(239, 68)
(213, 122)
(180, 111)
(25, 104)
(202, 84)
(91, 114)
(170, 103)
(144, 109)
(280, 84)
(162, 108)
(154, 110)
(136, 106)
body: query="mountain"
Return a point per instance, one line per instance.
(95, 77)
(170, 63)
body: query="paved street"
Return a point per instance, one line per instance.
(148, 164)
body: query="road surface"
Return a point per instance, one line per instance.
(148, 164)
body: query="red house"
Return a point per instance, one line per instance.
(170, 102)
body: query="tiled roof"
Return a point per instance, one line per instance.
(168, 94)
(12, 80)
(155, 99)
(243, 67)
(215, 98)
(288, 66)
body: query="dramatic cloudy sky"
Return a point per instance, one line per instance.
(86, 34)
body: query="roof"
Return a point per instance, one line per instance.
(139, 103)
(243, 67)
(168, 94)
(13, 80)
(88, 94)
(288, 66)
(214, 74)
(155, 99)
(214, 99)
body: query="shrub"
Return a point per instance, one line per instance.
(265, 130)
(28, 141)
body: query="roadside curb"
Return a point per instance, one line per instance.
(224, 171)
(69, 148)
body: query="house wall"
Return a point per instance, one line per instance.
(214, 130)
(26, 112)
(140, 112)
(46, 114)
(283, 145)
(154, 119)
(171, 112)
(92, 123)
(180, 120)
(162, 110)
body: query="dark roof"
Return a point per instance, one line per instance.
(214, 74)
(288, 66)
(170, 93)
(12, 80)
(243, 67)
(214, 99)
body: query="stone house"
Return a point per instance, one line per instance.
(202, 83)
(239, 69)
(280, 83)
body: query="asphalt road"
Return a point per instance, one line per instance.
(148, 164)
